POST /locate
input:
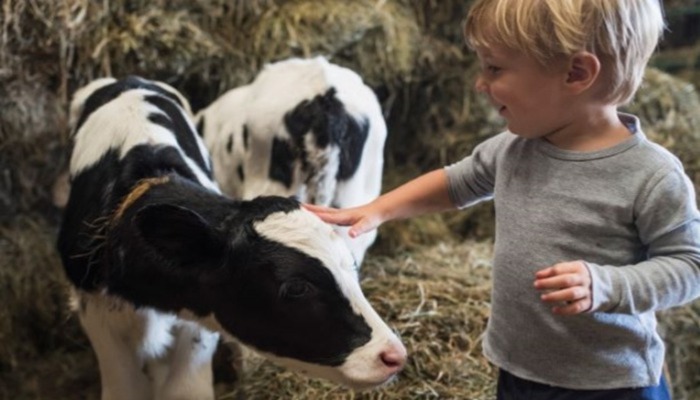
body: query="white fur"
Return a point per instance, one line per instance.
(261, 106)
(186, 372)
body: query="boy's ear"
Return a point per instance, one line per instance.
(584, 70)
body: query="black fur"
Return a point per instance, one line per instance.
(240, 172)
(246, 136)
(282, 160)
(200, 127)
(173, 119)
(229, 144)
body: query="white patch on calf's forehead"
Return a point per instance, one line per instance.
(304, 231)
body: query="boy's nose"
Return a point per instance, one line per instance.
(480, 85)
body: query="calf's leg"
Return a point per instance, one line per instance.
(113, 331)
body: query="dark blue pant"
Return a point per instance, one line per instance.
(513, 388)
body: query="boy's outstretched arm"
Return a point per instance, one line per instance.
(422, 195)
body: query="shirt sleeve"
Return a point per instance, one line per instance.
(472, 179)
(668, 223)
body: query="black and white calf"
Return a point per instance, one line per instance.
(162, 263)
(304, 128)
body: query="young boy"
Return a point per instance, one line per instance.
(596, 227)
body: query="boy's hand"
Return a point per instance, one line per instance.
(567, 285)
(360, 219)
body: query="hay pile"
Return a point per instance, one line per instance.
(680, 328)
(43, 353)
(668, 108)
(680, 53)
(409, 51)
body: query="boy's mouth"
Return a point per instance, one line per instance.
(500, 108)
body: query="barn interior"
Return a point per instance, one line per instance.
(428, 277)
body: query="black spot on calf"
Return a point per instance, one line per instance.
(174, 120)
(327, 119)
(351, 142)
(229, 144)
(282, 162)
(246, 136)
(240, 172)
(200, 127)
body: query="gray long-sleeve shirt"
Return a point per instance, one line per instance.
(628, 211)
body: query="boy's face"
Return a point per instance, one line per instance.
(531, 98)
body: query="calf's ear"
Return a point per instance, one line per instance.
(179, 234)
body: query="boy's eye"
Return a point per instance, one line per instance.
(492, 69)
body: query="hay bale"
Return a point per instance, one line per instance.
(683, 63)
(680, 328)
(377, 37)
(441, 19)
(32, 148)
(42, 351)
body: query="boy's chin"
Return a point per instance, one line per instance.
(524, 133)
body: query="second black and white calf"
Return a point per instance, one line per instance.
(162, 263)
(305, 128)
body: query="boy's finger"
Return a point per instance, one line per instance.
(573, 308)
(337, 218)
(316, 208)
(544, 273)
(555, 282)
(570, 294)
(359, 228)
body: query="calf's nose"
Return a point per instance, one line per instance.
(394, 358)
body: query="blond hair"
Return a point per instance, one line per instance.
(621, 33)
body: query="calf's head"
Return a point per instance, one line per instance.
(266, 272)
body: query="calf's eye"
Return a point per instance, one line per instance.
(295, 289)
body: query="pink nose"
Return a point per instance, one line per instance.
(394, 358)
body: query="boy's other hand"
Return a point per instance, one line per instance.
(359, 219)
(567, 285)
